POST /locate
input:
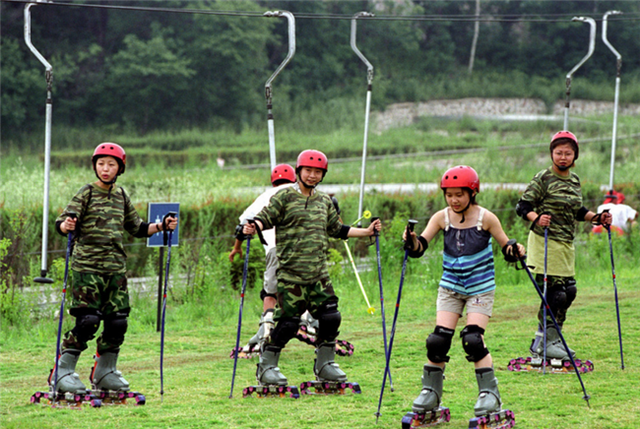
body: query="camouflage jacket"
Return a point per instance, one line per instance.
(303, 227)
(102, 220)
(559, 196)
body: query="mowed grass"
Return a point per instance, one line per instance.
(198, 370)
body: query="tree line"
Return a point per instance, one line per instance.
(148, 70)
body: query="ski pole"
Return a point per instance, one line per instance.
(512, 242)
(64, 296)
(164, 299)
(244, 286)
(410, 225)
(384, 325)
(615, 289)
(370, 309)
(544, 309)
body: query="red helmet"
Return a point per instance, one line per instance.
(283, 172)
(312, 158)
(461, 177)
(568, 136)
(110, 149)
(614, 197)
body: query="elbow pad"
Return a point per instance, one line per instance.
(523, 208)
(418, 253)
(143, 231)
(344, 232)
(581, 214)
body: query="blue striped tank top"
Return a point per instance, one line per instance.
(467, 259)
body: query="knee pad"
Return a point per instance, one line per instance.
(87, 325)
(571, 291)
(472, 343)
(439, 343)
(285, 329)
(328, 324)
(264, 294)
(115, 326)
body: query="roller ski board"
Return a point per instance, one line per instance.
(343, 347)
(556, 366)
(425, 420)
(119, 397)
(501, 420)
(328, 387)
(66, 400)
(246, 352)
(271, 391)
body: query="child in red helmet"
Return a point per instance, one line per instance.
(553, 201)
(468, 279)
(623, 217)
(98, 271)
(282, 176)
(304, 219)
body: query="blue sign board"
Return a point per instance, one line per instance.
(156, 212)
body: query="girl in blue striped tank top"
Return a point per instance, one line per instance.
(468, 279)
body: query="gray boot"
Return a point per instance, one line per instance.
(489, 398)
(555, 348)
(68, 380)
(264, 330)
(431, 394)
(268, 371)
(325, 367)
(105, 376)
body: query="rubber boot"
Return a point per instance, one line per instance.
(325, 367)
(555, 348)
(489, 398)
(105, 376)
(266, 325)
(268, 371)
(68, 380)
(431, 394)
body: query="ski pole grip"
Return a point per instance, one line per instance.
(73, 215)
(410, 226)
(259, 231)
(376, 233)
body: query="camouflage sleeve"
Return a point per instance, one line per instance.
(270, 215)
(132, 220)
(76, 205)
(535, 191)
(334, 226)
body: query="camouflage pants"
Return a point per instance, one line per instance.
(294, 299)
(561, 291)
(104, 295)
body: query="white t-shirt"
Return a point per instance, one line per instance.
(261, 202)
(620, 213)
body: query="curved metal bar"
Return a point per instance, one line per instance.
(592, 44)
(267, 87)
(614, 134)
(47, 142)
(353, 42)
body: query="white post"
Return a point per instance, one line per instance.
(267, 87)
(617, 93)
(592, 44)
(47, 143)
(367, 107)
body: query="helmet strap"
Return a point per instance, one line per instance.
(463, 211)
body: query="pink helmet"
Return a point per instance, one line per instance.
(565, 135)
(110, 149)
(283, 172)
(461, 176)
(312, 158)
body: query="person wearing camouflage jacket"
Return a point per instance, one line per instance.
(97, 217)
(304, 219)
(553, 202)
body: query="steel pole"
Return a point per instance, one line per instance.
(592, 44)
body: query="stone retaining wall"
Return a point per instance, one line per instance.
(402, 114)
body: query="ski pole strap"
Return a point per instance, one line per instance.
(165, 234)
(535, 221)
(410, 225)
(597, 219)
(376, 233)
(259, 231)
(514, 254)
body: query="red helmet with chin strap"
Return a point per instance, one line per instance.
(283, 172)
(110, 149)
(461, 176)
(312, 158)
(567, 137)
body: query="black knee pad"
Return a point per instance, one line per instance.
(87, 325)
(285, 329)
(439, 343)
(115, 326)
(571, 290)
(328, 323)
(472, 343)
